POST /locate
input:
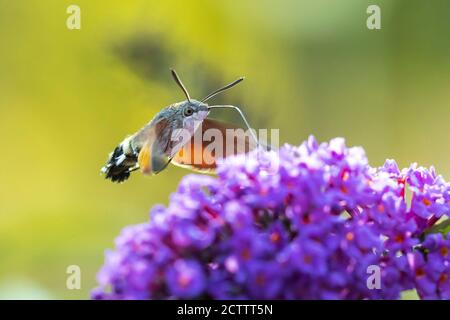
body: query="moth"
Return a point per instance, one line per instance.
(172, 137)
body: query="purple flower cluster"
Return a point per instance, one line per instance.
(312, 229)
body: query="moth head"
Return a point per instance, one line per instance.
(194, 109)
(192, 113)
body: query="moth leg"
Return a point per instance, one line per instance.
(136, 167)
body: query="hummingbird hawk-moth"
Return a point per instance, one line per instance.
(156, 145)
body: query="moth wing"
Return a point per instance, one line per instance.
(153, 156)
(213, 140)
(144, 158)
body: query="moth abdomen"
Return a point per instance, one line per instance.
(121, 163)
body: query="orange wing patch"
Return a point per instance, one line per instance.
(144, 159)
(200, 154)
(195, 156)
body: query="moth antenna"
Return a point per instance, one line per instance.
(242, 116)
(228, 86)
(180, 84)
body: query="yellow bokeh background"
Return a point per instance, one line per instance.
(67, 97)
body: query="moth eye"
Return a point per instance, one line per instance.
(188, 112)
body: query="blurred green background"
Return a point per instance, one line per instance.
(67, 97)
